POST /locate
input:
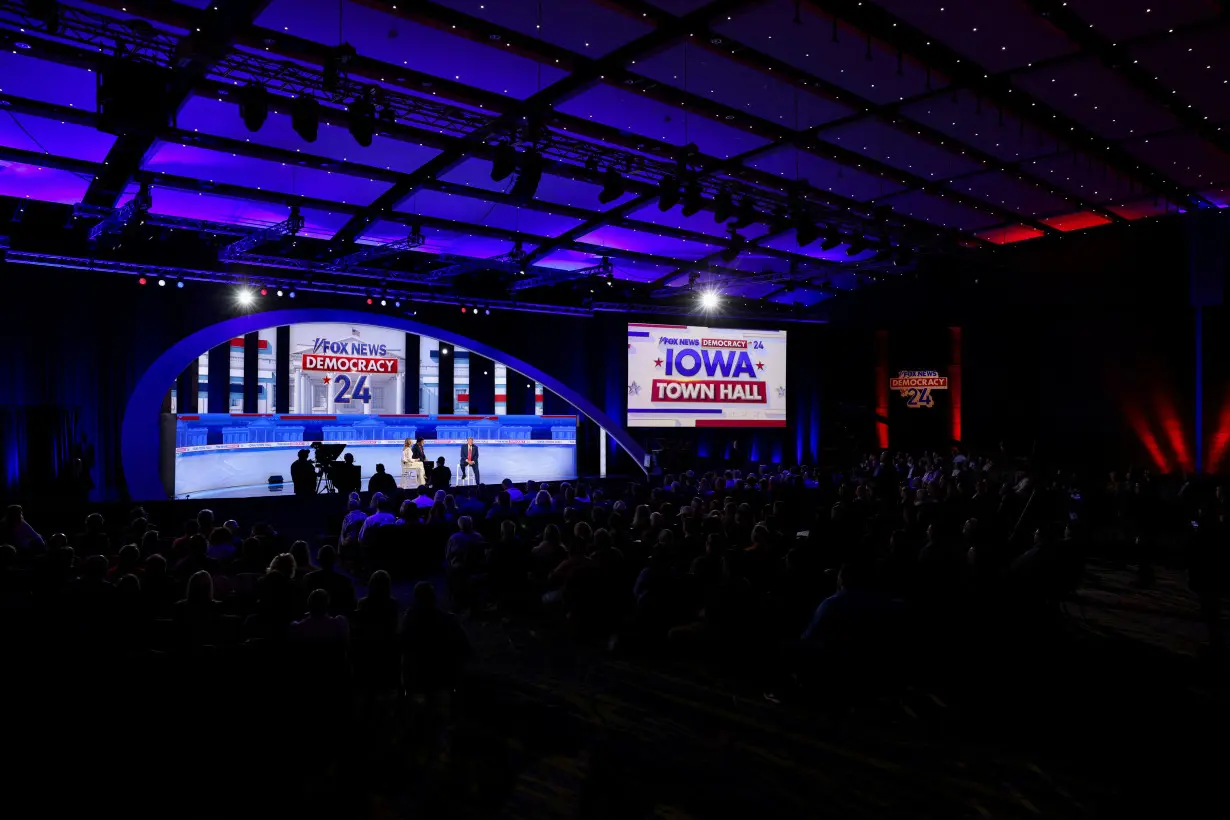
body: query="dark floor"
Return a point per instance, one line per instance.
(1114, 714)
(1111, 717)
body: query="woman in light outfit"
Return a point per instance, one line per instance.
(412, 463)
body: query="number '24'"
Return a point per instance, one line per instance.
(919, 397)
(362, 392)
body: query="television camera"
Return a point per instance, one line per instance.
(325, 461)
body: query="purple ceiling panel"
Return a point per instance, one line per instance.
(122, 13)
(1095, 96)
(1119, 20)
(390, 39)
(476, 173)
(1195, 66)
(625, 239)
(632, 270)
(1218, 196)
(1012, 192)
(632, 112)
(41, 80)
(824, 174)
(942, 210)
(961, 115)
(1183, 157)
(1083, 176)
(210, 116)
(732, 84)
(60, 139)
(440, 241)
(809, 46)
(46, 184)
(901, 149)
(480, 212)
(212, 208)
(787, 242)
(700, 223)
(998, 36)
(582, 26)
(801, 296)
(216, 166)
(731, 287)
(679, 7)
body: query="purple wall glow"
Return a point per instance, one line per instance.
(49, 82)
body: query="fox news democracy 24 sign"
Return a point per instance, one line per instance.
(682, 376)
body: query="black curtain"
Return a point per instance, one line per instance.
(251, 372)
(220, 378)
(188, 388)
(519, 394)
(553, 405)
(411, 398)
(446, 378)
(482, 385)
(281, 376)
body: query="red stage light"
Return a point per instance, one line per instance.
(369, 301)
(463, 310)
(141, 281)
(264, 292)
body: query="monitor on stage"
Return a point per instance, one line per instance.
(687, 376)
(361, 391)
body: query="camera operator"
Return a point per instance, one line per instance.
(303, 475)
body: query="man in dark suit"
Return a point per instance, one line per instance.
(382, 482)
(469, 458)
(347, 476)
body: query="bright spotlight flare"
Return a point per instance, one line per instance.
(244, 297)
(709, 300)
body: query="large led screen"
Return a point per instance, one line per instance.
(684, 376)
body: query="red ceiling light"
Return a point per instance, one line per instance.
(141, 281)
(264, 292)
(369, 301)
(463, 310)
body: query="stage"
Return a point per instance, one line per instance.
(225, 456)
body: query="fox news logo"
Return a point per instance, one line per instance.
(916, 386)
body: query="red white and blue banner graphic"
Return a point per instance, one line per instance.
(685, 376)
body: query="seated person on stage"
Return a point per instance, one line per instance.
(303, 475)
(381, 482)
(413, 461)
(469, 459)
(441, 476)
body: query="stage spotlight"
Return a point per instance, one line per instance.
(141, 281)
(264, 291)
(179, 283)
(291, 294)
(528, 176)
(709, 300)
(463, 310)
(305, 117)
(369, 301)
(488, 311)
(253, 106)
(612, 186)
(384, 303)
(668, 193)
(397, 304)
(831, 241)
(746, 213)
(504, 162)
(723, 204)
(279, 293)
(244, 297)
(162, 283)
(693, 200)
(361, 119)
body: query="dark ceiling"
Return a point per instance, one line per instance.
(839, 142)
